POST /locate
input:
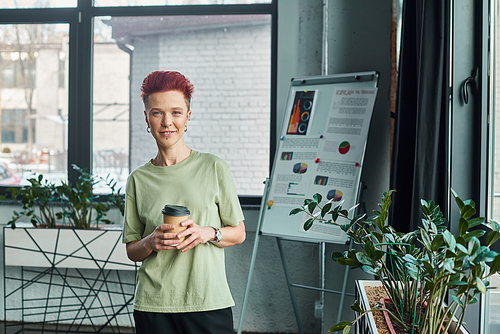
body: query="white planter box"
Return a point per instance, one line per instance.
(367, 323)
(66, 248)
(67, 277)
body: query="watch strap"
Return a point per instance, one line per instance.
(218, 235)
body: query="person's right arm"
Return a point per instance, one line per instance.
(159, 239)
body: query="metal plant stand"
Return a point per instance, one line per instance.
(83, 289)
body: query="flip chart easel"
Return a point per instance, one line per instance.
(321, 150)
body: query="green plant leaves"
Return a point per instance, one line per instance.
(311, 206)
(474, 245)
(467, 211)
(429, 261)
(495, 264)
(356, 307)
(295, 211)
(325, 209)
(369, 270)
(341, 326)
(336, 255)
(492, 237)
(476, 222)
(308, 223)
(363, 258)
(463, 226)
(449, 239)
(480, 285)
(78, 203)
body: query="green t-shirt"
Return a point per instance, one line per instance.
(170, 281)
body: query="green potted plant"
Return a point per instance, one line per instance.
(48, 205)
(419, 268)
(81, 206)
(37, 202)
(72, 217)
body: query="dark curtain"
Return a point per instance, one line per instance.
(419, 167)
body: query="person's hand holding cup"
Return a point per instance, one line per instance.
(175, 215)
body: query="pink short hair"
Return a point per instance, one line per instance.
(164, 81)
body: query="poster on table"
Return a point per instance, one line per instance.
(327, 160)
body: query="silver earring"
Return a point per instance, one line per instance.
(148, 130)
(186, 129)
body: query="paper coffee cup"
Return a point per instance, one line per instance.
(175, 215)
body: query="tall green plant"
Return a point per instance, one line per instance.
(419, 268)
(456, 264)
(382, 252)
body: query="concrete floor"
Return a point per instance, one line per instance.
(11, 328)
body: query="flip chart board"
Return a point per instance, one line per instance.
(320, 150)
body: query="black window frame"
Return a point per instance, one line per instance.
(81, 31)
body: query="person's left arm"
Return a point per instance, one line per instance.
(230, 235)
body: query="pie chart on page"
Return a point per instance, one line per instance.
(344, 147)
(300, 168)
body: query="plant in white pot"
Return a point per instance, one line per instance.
(78, 206)
(419, 268)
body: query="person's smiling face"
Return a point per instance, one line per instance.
(167, 115)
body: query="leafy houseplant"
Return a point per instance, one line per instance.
(79, 206)
(419, 268)
(42, 195)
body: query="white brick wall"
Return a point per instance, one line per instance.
(230, 70)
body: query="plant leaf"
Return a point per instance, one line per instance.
(449, 239)
(476, 221)
(308, 224)
(340, 326)
(295, 211)
(369, 270)
(474, 245)
(467, 211)
(311, 206)
(457, 300)
(336, 255)
(356, 307)
(463, 226)
(318, 198)
(363, 258)
(437, 243)
(495, 264)
(325, 209)
(474, 234)
(480, 285)
(459, 201)
(492, 237)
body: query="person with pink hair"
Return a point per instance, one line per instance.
(181, 283)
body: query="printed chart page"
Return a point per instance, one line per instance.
(327, 161)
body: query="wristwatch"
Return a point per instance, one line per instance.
(218, 235)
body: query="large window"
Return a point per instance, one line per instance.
(37, 3)
(33, 104)
(174, 2)
(85, 107)
(491, 303)
(228, 60)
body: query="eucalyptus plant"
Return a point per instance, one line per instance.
(418, 268)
